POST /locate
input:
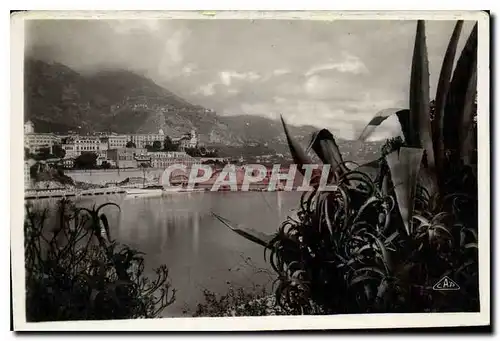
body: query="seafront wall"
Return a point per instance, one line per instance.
(65, 193)
(103, 176)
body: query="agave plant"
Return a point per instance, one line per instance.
(98, 222)
(338, 237)
(442, 138)
(380, 245)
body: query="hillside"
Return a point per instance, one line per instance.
(56, 97)
(59, 99)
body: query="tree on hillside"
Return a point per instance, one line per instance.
(169, 145)
(43, 154)
(86, 160)
(58, 151)
(34, 170)
(130, 144)
(212, 153)
(203, 151)
(156, 146)
(105, 165)
(192, 152)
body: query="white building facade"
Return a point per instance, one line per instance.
(117, 141)
(27, 176)
(29, 127)
(36, 141)
(164, 159)
(87, 144)
(142, 140)
(187, 140)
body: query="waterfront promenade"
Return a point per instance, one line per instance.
(65, 193)
(116, 181)
(102, 177)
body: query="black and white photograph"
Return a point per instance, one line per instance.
(228, 165)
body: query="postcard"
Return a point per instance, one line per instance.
(232, 170)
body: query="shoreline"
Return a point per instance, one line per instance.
(65, 193)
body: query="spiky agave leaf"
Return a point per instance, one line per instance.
(324, 145)
(467, 137)
(105, 224)
(404, 166)
(250, 234)
(298, 154)
(106, 204)
(458, 113)
(441, 94)
(404, 121)
(419, 97)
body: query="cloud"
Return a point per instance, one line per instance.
(206, 90)
(188, 69)
(319, 87)
(298, 111)
(227, 77)
(173, 46)
(279, 72)
(350, 64)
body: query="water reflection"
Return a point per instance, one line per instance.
(179, 230)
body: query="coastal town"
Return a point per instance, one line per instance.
(116, 161)
(108, 151)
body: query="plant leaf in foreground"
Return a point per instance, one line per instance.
(404, 166)
(441, 94)
(403, 117)
(298, 154)
(324, 145)
(250, 234)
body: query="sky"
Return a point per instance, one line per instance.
(330, 74)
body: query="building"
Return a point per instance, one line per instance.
(102, 133)
(143, 160)
(125, 157)
(75, 145)
(102, 153)
(68, 163)
(87, 144)
(29, 127)
(117, 141)
(142, 140)
(53, 162)
(193, 139)
(36, 141)
(27, 176)
(102, 156)
(187, 140)
(100, 160)
(104, 143)
(164, 159)
(182, 142)
(69, 146)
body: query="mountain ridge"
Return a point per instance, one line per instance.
(58, 98)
